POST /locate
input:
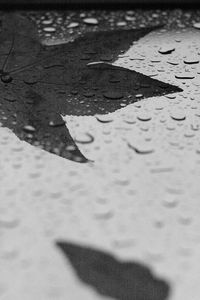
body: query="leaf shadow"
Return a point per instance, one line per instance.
(111, 277)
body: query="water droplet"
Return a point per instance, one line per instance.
(170, 96)
(95, 63)
(178, 114)
(139, 96)
(57, 122)
(155, 60)
(114, 95)
(88, 94)
(189, 133)
(129, 119)
(144, 116)
(166, 49)
(141, 148)
(47, 21)
(90, 21)
(49, 29)
(73, 25)
(191, 60)
(29, 128)
(196, 25)
(185, 75)
(104, 118)
(129, 18)
(102, 211)
(121, 23)
(173, 62)
(84, 138)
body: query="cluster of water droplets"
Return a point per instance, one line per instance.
(139, 195)
(52, 25)
(149, 152)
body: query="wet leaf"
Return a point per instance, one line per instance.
(40, 84)
(112, 277)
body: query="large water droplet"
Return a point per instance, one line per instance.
(190, 60)
(166, 49)
(185, 75)
(47, 21)
(49, 29)
(29, 128)
(196, 25)
(144, 116)
(84, 138)
(73, 25)
(90, 21)
(178, 114)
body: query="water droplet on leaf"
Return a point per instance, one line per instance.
(90, 21)
(29, 128)
(196, 25)
(114, 95)
(49, 29)
(73, 25)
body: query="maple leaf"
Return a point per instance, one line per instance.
(39, 84)
(112, 277)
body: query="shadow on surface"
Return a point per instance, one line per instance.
(39, 84)
(114, 278)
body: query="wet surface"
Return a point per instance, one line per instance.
(45, 84)
(137, 197)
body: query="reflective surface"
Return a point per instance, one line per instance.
(138, 196)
